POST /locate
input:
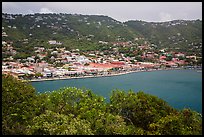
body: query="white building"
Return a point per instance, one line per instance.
(82, 59)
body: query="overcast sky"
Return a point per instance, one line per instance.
(121, 11)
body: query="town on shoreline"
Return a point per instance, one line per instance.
(47, 57)
(74, 65)
(95, 76)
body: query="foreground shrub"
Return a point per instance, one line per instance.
(72, 111)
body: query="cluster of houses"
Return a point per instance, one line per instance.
(90, 63)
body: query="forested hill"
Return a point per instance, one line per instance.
(172, 34)
(78, 31)
(62, 26)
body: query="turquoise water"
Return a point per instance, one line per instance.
(180, 88)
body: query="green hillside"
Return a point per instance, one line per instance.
(177, 34)
(71, 30)
(85, 31)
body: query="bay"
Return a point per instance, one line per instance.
(180, 88)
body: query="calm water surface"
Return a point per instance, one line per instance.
(180, 88)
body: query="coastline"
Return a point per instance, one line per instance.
(96, 76)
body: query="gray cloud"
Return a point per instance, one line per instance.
(122, 11)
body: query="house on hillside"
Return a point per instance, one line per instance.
(54, 42)
(120, 43)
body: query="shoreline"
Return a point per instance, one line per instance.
(97, 76)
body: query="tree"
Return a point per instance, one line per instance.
(168, 125)
(138, 109)
(139, 59)
(187, 122)
(192, 121)
(72, 111)
(181, 58)
(21, 56)
(38, 75)
(52, 123)
(17, 105)
(168, 58)
(86, 64)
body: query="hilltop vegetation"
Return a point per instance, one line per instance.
(72, 111)
(178, 34)
(74, 31)
(85, 31)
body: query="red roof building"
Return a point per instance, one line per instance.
(162, 57)
(118, 63)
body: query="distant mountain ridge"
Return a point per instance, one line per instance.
(74, 30)
(102, 27)
(172, 33)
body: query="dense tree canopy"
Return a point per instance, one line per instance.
(72, 111)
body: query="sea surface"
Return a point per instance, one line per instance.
(180, 88)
